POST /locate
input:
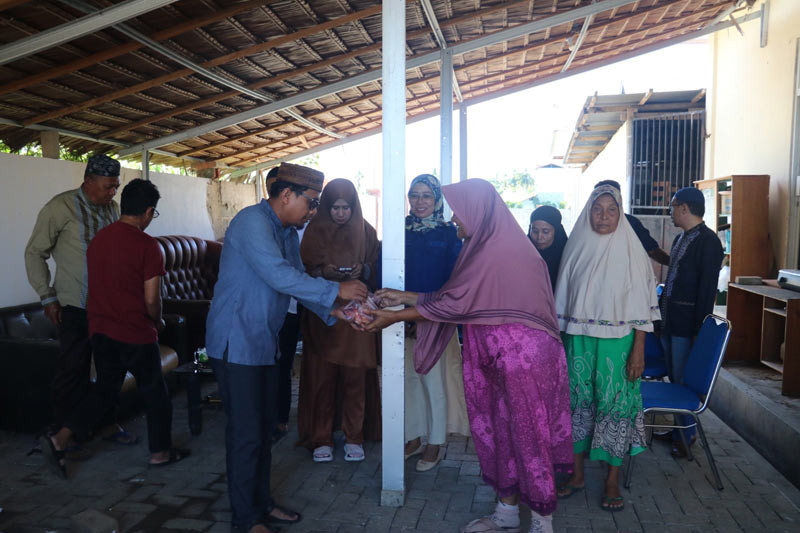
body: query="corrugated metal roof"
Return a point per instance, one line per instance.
(603, 115)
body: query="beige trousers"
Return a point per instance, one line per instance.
(434, 402)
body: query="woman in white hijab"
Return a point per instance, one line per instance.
(606, 301)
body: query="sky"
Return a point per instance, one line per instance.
(515, 132)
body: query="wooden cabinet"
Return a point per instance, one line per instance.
(737, 209)
(766, 329)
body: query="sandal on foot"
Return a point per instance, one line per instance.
(54, 458)
(353, 452)
(417, 451)
(612, 504)
(175, 455)
(424, 466)
(122, 437)
(566, 490)
(275, 520)
(323, 454)
(486, 525)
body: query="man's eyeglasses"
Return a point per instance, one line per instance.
(313, 203)
(155, 213)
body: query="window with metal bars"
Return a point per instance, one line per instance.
(668, 152)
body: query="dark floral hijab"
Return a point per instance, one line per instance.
(436, 218)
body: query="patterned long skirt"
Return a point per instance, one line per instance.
(516, 388)
(607, 419)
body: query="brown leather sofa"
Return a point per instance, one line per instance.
(192, 267)
(28, 355)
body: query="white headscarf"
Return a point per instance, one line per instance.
(606, 284)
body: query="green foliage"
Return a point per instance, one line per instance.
(515, 189)
(312, 161)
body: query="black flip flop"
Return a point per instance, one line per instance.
(53, 457)
(272, 520)
(175, 455)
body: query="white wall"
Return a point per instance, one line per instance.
(29, 182)
(751, 108)
(610, 164)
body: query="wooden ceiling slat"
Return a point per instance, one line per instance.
(306, 69)
(535, 45)
(180, 73)
(509, 82)
(116, 51)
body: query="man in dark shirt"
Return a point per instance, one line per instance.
(124, 267)
(648, 242)
(690, 289)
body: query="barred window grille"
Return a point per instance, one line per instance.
(668, 152)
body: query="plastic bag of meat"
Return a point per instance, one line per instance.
(354, 310)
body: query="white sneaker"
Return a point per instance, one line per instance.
(541, 524)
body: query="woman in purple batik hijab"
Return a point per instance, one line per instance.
(515, 373)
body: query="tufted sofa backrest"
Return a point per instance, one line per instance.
(192, 266)
(26, 322)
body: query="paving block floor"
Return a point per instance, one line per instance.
(666, 494)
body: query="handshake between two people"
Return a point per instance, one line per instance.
(365, 311)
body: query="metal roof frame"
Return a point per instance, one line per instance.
(78, 28)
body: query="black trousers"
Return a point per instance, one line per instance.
(287, 345)
(248, 394)
(71, 380)
(112, 359)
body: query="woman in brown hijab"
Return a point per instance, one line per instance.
(338, 380)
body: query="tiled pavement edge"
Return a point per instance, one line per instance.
(666, 495)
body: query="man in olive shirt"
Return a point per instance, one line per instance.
(64, 228)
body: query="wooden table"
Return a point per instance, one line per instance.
(764, 319)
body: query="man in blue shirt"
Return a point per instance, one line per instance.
(260, 270)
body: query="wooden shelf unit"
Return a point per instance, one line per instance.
(747, 197)
(765, 318)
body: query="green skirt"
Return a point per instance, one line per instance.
(607, 419)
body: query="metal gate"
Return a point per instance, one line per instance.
(668, 151)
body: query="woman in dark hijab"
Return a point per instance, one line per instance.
(548, 236)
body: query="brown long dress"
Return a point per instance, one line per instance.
(338, 381)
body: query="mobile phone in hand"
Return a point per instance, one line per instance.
(345, 270)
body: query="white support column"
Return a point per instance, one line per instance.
(446, 122)
(145, 165)
(393, 265)
(259, 182)
(462, 142)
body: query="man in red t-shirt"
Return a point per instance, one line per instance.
(124, 267)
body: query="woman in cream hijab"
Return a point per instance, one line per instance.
(605, 301)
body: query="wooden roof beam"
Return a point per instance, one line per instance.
(308, 68)
(8, 4)
(646, 97)
(180, 73)
(462, 68)
(344, 57)
(527, 80)
(126, 48)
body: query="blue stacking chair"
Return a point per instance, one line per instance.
(655, 362)
(692, 397)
